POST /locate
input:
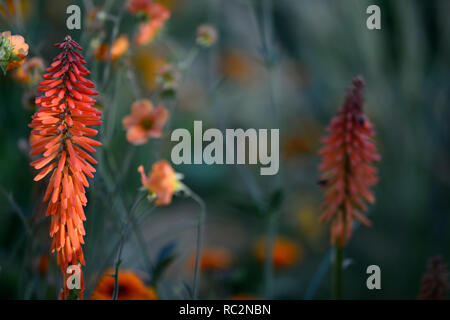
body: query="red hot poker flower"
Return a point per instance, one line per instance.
(347, 166)
(61, 136)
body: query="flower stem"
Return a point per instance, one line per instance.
(123, 236)
(200, 227)
(337, 272)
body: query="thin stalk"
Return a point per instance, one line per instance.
(337, 272)
(200, 231)
(123, 237)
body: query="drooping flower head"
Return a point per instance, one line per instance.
(13, 51)
(61, 135)
(435, 281)
(154, 15)
(119, 48)
(144, 122)
(347, 166)
(162, 182)
(131, 287)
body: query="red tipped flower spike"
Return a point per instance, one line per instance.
(61, 136)
(347, 166)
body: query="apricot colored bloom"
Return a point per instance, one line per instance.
(131, 287)
(29, 72)
(156, 16)
(285, 252)
(347, 166)
(213, 259)
(61, 136)
(162, 182)
(13, 51)
(144, 122)
(119, 48)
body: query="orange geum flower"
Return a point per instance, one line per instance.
(285, 252)
(61, 136)
(119, 48)
(144, 122)
(131, 287)
(347, 166)
(162, 182)
(29, 72)
(156, 16)
(13, 51)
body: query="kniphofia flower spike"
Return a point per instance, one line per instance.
(347, 166)
(62, 137)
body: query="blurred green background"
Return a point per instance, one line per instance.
(277, 64)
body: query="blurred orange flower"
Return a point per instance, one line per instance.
(13, 50)
(120, 46)
(162, 181)
(8, 8)
(131, 287)
(151, 63)
(285, 252)
(347, 166)
(43, 264)
(144, 122)
(28, 73)
(237, 65)
(156, 15)
(214, 259)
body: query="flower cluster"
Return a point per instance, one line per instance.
(61, 135)
(347, 166)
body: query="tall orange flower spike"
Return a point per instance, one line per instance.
(347, 166)
(61, 135)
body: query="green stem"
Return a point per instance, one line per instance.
(200, 227)
(337, 272)
(122, 242)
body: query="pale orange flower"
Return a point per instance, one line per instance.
(28, 73)
(144, 122)
(161, 182)
(119, 48)
(131, 287)
(285, 252)
(16, 49)
(213, 259)
(157, 16)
